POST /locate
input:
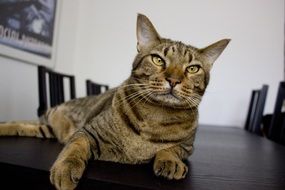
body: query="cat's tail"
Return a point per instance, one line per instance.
(26, 128)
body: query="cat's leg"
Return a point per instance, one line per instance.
(168, 162)
(25, 128)
(53, 124)
(62, 126)
(71, 162)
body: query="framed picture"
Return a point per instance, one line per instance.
(28, 30)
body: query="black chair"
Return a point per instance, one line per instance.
(255, 111)
(277, 123)
(54, 83)
(95, 88)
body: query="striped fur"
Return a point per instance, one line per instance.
(152, 115)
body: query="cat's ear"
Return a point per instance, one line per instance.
(147, 36)
(213, 51)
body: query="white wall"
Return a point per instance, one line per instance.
(18, 80)
(97, 41)
(106, 46)
(18, 90)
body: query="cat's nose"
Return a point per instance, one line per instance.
(173, 82)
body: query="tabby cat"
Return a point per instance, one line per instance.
(153, 115)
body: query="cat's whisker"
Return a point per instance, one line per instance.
(136, 84)
(135, 87)
(133, 96)
(134, 93)
(185, 98)
(196, 96)
(157, 88)
(144, 96)
(189, 104)
(139, 99)
(148, 98)
(139, 96)
(192, 101)
(126, 99)
(140, 79)
(196, 99)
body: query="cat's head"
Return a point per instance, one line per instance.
(168, 72)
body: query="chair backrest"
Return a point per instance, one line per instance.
(277, 124)
(53, 82)
(95, 88)
(255, 110)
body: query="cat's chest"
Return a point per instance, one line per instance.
(140, 150)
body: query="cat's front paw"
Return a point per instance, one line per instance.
(65, 174)
(170, 168)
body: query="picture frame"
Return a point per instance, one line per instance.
(29, 30)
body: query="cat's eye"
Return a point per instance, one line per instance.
(193, 69)
(157, 60)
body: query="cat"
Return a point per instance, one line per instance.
(151, 116)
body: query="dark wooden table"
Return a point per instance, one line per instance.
(224, 159)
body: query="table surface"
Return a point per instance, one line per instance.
(224, 158)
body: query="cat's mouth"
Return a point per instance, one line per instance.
(169, 97)
(172, 98)
(171, 94)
